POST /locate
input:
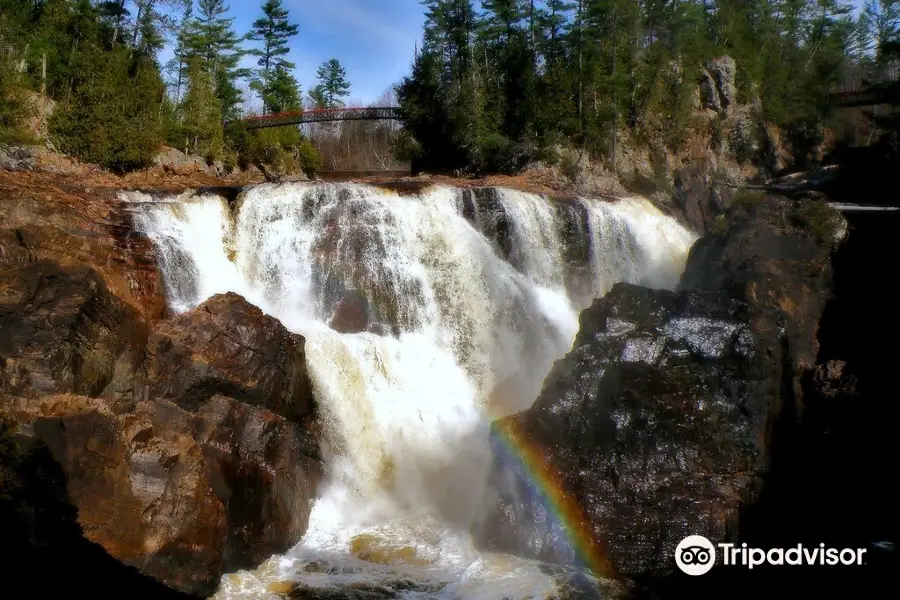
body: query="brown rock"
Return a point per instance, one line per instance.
(182, 497)
(42, 217)
(145, 496)
(266, 470)
(351, 315)
(228, 346)
(62, 331)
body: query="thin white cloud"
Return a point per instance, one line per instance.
(338, 16)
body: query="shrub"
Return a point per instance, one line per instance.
(12, 105)
(748, 198)
(821, 220)
(112, 118)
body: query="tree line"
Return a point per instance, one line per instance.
(497, 83)
(116, 104)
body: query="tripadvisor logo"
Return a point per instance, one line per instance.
(696, 555)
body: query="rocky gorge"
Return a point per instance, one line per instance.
(165, 424)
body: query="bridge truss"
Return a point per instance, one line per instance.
(323, 115)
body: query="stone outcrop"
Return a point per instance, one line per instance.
(43, 217)
(717, 84)
(175, 450)
(146, 497)
(661, 421)
(61, 330)
(182, 497)
(228, 346)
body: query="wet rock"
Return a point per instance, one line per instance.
(145, 496)
(351, 256)
(351, 315)
(181, 497)
(61, 330)
(228, 346)
(663, 420)
(266, 471)
(649, 424)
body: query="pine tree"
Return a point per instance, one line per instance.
(282, 92)
(273, 30)
(177, 66)
(333, 85)
(201, 113)
(113, 116)
(213, 39)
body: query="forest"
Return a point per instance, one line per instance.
(496, 87)
(493, 86)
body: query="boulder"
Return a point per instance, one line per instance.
(650, 425)
(19, 158)
(723, 72)
(351, 315)
(665, 418)
(145, 496)
(176, 162)
(61, 330)
(181, 497)
(266, 471)
(228, 346)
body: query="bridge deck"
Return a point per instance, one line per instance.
(323, 115)
(866, 97)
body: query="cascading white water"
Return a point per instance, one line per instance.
(465, 335)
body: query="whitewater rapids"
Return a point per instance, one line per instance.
(473, 296)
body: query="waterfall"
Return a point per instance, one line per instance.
(471, 296)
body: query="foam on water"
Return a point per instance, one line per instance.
(467, 336)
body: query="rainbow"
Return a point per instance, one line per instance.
(548, 487)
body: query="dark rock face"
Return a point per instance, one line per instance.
(228, 346)
(698, 198)
(182, 497)
(661, 421)
(142, 494)
(351, 315)
(61, 330)
(652, 423)
(265, 472)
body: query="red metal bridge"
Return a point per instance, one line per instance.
(866, 97)
(323, 115)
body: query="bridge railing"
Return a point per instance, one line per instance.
(873, 95)
(323, 115)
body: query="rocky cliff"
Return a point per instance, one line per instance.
(666, 418)
(181, 447)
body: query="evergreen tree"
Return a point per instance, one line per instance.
(333, 85)
(273, 30)
(177, 66)
(213, 40)
(201, 113)
(282, 92)
(113, 116)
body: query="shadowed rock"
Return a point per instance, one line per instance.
(62, 331)
(182, 497)
(663, 419)
(228, 346)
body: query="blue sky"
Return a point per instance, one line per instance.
(374, 39)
